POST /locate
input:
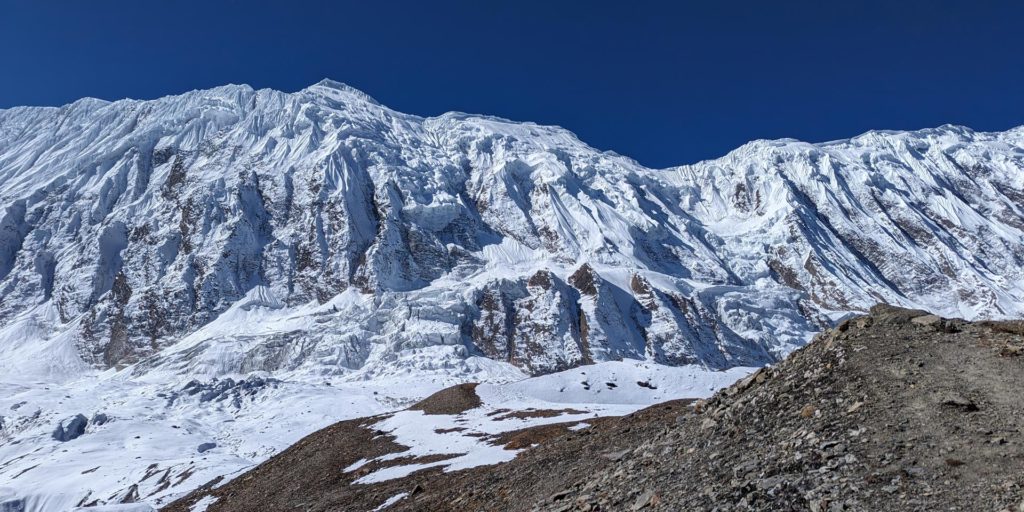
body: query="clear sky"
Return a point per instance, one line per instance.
(664, 82)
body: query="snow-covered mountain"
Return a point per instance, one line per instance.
(319, 236)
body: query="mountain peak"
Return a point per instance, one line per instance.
(333, 84)
(330, 86)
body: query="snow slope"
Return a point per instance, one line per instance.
(150, 448)
(286, 241)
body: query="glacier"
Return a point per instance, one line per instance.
(301, 258)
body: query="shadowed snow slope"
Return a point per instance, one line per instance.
(319, 236)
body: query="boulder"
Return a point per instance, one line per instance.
(70, 429)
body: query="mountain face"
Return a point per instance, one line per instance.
(189, 285)
(397, 242)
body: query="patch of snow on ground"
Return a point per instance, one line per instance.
(203, 504)
(604, 389)
(391, 501)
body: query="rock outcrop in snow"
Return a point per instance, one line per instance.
(127, 227)
(70, 429)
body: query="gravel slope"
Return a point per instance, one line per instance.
(898, 410)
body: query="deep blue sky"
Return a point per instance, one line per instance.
(663, 82)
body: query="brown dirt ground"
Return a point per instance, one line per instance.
(453, 400)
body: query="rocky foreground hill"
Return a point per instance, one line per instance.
(896, 410)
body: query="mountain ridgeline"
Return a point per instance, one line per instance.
(126, 227)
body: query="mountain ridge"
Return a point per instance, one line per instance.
(321, 123)
(345, 87)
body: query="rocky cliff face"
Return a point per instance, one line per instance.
(129, 226)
